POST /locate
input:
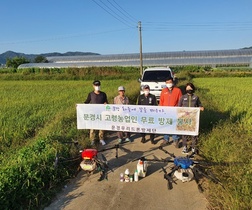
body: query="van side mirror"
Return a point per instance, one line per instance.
(139, 80)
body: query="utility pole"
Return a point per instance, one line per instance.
(141, 54)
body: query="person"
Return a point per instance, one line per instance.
(189, 100)
(122, 99)
(147, 99)
(170, 96)
(96, 97)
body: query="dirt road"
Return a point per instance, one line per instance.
(150, 192)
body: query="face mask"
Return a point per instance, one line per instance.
(169, 85)
(146, 92)
(97, 88)
(190, 91)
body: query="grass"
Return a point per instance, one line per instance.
(226, 138)
(37, 117)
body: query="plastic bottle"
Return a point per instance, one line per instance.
(121, 177)
(136, 176)
(126, 175)
(142, 168)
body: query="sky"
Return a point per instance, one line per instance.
(112, 26)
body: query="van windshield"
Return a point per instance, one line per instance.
(157, 76)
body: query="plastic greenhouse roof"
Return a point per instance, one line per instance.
(210, 57)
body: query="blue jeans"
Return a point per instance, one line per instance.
(174, 137)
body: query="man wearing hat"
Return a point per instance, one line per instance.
(122, 99)
(147, 99)
(96, 97)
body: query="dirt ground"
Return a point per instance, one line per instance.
(150, 192)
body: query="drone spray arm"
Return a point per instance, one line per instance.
(168, 177)
(166, 152)
(109, 148)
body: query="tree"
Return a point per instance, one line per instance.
(40, 59)
(16, 61)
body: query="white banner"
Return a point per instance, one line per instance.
(139, 119)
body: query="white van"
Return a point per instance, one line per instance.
(155, 77)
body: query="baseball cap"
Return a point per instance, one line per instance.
(121, 88)
(168, 78)
(146, 87)
(97, 83)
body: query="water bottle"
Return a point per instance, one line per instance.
(136, 176)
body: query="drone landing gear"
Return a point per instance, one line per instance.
(185, 175)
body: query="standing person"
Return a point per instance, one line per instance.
(96, 97)
(122, 99)
(147, 99)
(190, 100)
(170, 97)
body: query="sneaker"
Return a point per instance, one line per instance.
(102, 142)
(164, 143)
(143, 140)
(127, 140)
(185, 150)
(119, 141)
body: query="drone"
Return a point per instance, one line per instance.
(88, 160)
(91, 162)
(183, 168)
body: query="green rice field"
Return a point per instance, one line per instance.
(37, 116)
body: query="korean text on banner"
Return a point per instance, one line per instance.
(139, 119)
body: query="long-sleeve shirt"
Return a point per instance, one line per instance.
(150, 99)
(94, 98)
(170, 97)
(121, 100)
(189, 101)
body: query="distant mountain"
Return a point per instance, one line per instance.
(31, 57)
(247, 48)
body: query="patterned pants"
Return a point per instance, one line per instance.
(121, 134)
(185, 138)
(96, 134)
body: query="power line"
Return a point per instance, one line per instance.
(111, 11)
(69, 36)
(215, 26)
(124, 12)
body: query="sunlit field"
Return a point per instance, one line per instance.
(226, 128)
(37, 117)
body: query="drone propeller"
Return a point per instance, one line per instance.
(61, 160)
(196, 178)
(211, 177)
(104, 159)
(168, 177)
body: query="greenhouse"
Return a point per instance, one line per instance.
(180, 58)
